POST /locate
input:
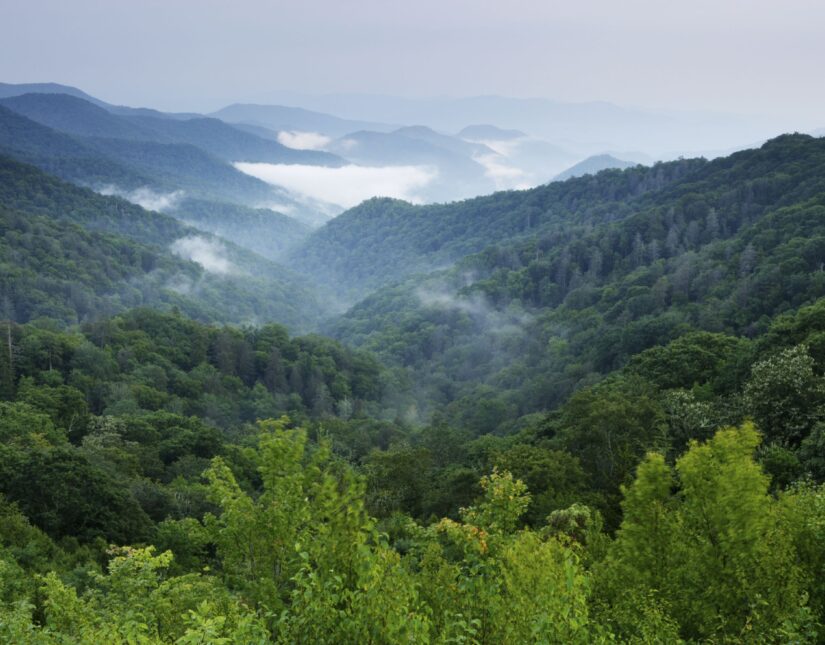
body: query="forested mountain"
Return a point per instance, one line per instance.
(517, 327)
(74, 115)
(383, 240)
(268, 233)
(125, 256)
(62, 155)
(186, 167)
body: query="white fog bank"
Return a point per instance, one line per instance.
(145, 197)
(346, 186)
(210, 254)
(303, 140)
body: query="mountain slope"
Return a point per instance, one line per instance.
(79, 117)
(17, 89)
(384, 240)
(76, 116)
(231, 144)
(130, 256)
(186, 167)
(122, 165)
(516, 328)
(268, 233)
(62, 155)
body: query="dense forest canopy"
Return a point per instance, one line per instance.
(589, 412)
(73, 255)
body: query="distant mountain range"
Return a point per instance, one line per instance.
(145, 147)
(80, 117)
(80, 141)
(586, 128)
(278, 117)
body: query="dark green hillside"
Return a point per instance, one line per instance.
(383, 240)
(126, 165)
(518, 327)
(56, 267)
(62, 155)
(138, 404)
(27, 189)
(186, 167)
(268, 233)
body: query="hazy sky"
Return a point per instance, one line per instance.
(754, 56)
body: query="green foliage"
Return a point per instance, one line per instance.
(70, 254)
(538, 459)
(263, 231)
(783, 393)
(527, 318)
(384, 240)
(714, 555)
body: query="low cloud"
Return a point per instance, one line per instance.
(145, 197)
(504, 176)
(211, 255)
(504, 147)
(303, 140)
(487, 317)
(346, 186)
(279, 207)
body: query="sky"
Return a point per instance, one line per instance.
(748, 57)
